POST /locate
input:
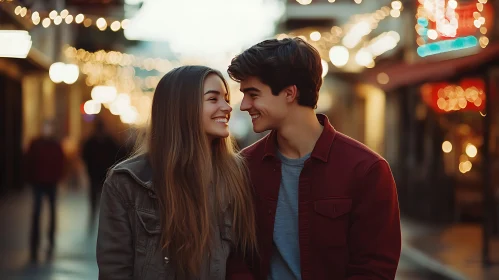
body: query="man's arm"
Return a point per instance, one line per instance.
(374, 236)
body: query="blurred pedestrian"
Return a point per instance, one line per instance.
(100, 152)
(45, 163)
(180, 208)
(327, 205)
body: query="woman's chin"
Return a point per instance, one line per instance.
(215, 136)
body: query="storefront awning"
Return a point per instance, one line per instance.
(404, 74)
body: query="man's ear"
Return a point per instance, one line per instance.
(291, 93)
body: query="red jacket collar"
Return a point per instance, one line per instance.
(322, 146)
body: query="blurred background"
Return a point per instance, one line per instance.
(415, 80)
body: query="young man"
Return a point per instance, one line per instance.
(326, 204)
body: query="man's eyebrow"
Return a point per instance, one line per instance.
(245, 90)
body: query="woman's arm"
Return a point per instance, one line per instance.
(115, 256)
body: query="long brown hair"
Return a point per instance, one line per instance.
(186, 168)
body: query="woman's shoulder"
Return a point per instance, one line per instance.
(133, 172)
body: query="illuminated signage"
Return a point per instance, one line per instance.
(468, 95)
(449, 25)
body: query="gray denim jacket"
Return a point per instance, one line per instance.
(128, 244)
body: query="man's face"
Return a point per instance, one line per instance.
(267, 111)
(47, 129)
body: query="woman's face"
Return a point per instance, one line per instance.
(216, 108)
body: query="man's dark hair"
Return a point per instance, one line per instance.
(282, 63)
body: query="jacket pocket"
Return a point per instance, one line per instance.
(149, 221)
(148, 227)
(150, 260)
(330, 221)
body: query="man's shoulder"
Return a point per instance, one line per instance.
(347, 148)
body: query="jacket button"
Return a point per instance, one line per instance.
(167, 260)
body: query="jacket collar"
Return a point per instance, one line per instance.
(322, 146)
(139, 169)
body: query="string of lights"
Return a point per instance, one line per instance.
(333, 44)
(46, 19)
(307, 2)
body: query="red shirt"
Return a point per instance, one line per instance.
(45, 162)
(349, 223)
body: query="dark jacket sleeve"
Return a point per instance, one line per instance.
(115, 255)
(375, 237)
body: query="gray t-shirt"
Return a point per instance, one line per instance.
(285, 261)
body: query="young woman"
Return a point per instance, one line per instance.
(182, 204)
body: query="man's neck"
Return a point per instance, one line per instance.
(298, 135)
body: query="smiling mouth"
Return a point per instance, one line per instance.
(221, 120)
(255, 116)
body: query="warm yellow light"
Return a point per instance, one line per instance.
(101, 24)
(46, 22)
(17, 10)
(484, 41)
(53, 14)
(363, 57)
(36, 21)
(471, 150)
(91, 107)
(331, 1)
(396, 5)
(304, 2)
(56, 72)
(57, 20)
(104, 94)
(120, 104)
(79, 18)
(35, 16)
(315, 36)
(87, 22)
(24, 11)
(129, 115)
(282, 36)
(69, 19)
(358, 1)
(71, 73)
(125, 23)
(325, 67)
(446, 147)
(483, 30)
(383, 78)
(432, 34)
(452, 4)
(395, 13)
(115, 26)
(339, 56)
(64, 13)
